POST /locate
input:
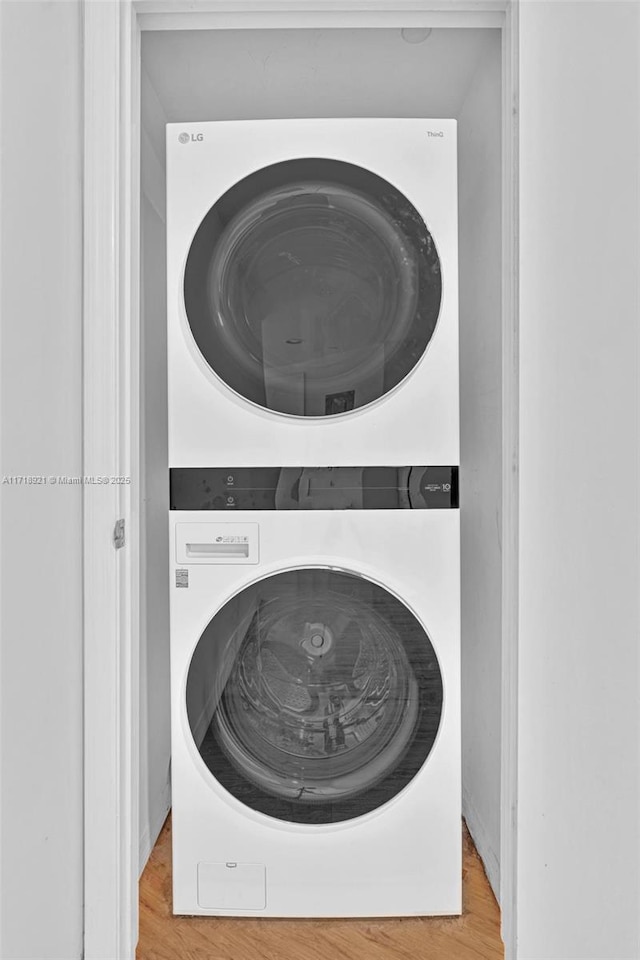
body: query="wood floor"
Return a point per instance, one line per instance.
(473, 936)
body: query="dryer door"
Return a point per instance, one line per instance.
(312, 287)
(321, 695)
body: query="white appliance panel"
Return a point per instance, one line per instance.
(402, 857)
(326, 413)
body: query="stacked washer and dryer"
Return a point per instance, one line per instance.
(315, 546)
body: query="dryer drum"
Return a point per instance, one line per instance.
(329, 696)
(312, 287)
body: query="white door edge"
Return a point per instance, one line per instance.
(510, 485)
(110, 444)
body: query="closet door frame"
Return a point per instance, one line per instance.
(112, 408)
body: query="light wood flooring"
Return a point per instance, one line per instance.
(473, 936)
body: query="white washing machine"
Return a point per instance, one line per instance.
(315, 666)
(312, 292)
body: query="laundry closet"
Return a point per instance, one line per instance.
(298, 76)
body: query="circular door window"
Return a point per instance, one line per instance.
(312, 287)
(314, 696)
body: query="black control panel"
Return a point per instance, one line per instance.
(314, 488)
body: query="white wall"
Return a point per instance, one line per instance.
(41, 422)
(480, 219)
(262, 74)
(577, 831)
(578, 840)
(578, 770)
(155, 725)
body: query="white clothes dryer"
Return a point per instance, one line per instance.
(312, 292)
(315, 668)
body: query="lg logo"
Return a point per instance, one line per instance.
(188, 138)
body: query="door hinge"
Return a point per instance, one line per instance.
(118, 534)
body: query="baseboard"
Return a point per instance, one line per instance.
(152, 831)
(480, 836)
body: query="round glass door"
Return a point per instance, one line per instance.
(314, 696)
(312, 287)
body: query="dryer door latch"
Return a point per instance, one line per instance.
(118, 534)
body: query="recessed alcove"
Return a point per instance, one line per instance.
(194, 75)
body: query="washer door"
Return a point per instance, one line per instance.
(312, 287)
(314, 696)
